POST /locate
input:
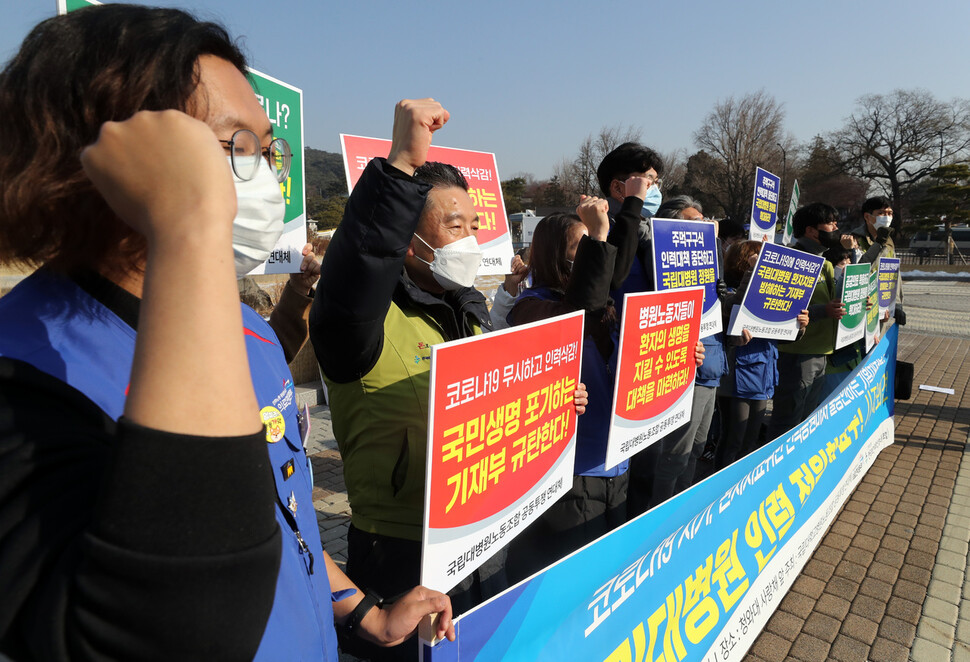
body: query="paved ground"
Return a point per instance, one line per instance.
(891, 578)
(937, 308)
(889, 581)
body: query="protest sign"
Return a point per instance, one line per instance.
(283, 104)
(64, 6)
(853, 293)
(501, 440)
(655, 371)
(697, 577)
(484, 187)
(764, 207)
(789, 234)
(781, 287)
(888, 284)
(873, 312)
(685, 255)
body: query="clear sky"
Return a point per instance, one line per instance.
(529, 80)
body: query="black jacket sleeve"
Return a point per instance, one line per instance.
(123, 542)
(588, 289)
(361, 269)
(589, 283)
(623, 235)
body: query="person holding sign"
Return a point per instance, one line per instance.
(146, 511)
(875, 239)
(574, 259)
(397, 278)
(845, 357)
(507, 292)
(801, 364)
(753, 375)
(667, 468)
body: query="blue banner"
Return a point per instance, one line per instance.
(780, 288)
(697, 577)
(685, 255)
(764, 208)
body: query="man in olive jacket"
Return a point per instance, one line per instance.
(801, 364)
(874, 238)
(379, 308)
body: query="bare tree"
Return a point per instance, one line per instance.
(579, 175)
(567, 178)
(702, 174)
(823, 179)
(741, 134)
(675, 170)
(897, 139)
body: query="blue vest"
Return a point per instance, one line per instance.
(755, 370)
(593, 427)
(715, 363)
(55, 326)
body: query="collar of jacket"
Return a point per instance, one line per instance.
(862, 231)
(450, 306)
(809, 245)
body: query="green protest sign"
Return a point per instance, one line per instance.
(789, 234)
(853, 294)
(283, 104)
(64, 6)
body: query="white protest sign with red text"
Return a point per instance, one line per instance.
(655, 371)
(484, 187)
(501, 440)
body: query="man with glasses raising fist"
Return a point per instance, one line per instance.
(155, 500)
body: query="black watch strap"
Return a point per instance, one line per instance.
(370, 601)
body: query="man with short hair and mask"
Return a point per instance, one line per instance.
(397, 278)
(874, 237)
(801, 364)
(630, 178)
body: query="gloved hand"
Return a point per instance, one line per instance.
(900, 315)
(883, 234)
(722, 289)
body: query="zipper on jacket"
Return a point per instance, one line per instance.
(304, 548)
(291, 520)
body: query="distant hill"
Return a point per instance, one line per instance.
(326, 187)
(324, 173)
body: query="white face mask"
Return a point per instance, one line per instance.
(455, 265)
(259, 219)
(883, 222)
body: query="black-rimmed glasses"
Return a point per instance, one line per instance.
(245, 151)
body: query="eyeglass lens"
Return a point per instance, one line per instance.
(279, 158)
(246, 152)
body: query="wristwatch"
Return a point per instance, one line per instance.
(370, 601)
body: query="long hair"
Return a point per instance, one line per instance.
(548, 255)
(72, 74)
(736, 261)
